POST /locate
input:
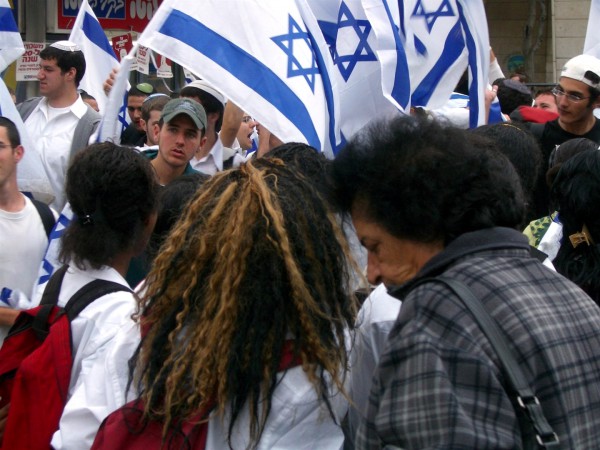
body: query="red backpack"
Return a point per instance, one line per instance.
(126, 429)
(35, 364)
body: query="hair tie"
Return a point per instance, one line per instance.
(581, 237)
(86, 220)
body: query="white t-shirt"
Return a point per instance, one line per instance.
(23, 242)
(52, 129)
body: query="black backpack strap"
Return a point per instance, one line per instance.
(228, 163)
(537, 254)
(39, 325)
(46, 215)
(90, 292)
(537, 432)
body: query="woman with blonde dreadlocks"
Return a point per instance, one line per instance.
(245, 323)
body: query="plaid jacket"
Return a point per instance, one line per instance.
(439, 384)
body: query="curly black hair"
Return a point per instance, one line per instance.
(112, 191)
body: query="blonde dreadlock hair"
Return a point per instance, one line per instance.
(257, 256)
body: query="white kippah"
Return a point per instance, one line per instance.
(66, 46)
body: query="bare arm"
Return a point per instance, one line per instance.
(232, 118)
(8, 316)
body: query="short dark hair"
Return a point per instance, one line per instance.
(522, 149)
(11, 131)
(112, 191)
(135, 92)
(426, 181)
(154, 104)
(66, 60)
(210, 103)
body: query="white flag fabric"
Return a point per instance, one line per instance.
(592, 37)
(31, 175)
(352, 44)
(114, 119)
(12, 44)
(269, 57)
(100, 57)
(475, 29)
(424, 47)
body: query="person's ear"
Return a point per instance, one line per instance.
(19, 152)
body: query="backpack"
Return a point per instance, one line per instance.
(46, 216)
(125, 429)
(36, 361)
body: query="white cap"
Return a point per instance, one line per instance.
(66, 46)
(584, 68)
(205, 86)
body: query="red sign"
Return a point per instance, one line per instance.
(130, 15)
(122, 45)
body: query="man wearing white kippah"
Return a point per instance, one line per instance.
(59, 121)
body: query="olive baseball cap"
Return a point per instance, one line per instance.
(190, 108)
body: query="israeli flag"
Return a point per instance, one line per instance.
(592, 37)
(31, 175)
(269, 57)
(12, 44)
(99, 54)
(114, 119)
(51, 262)
(357, 72)
(424, 47)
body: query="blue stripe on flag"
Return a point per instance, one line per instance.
(94, 32)
(422, 94)
(474, 88)
(7, 20)
(328, 91)
(5, 295)
(244, 67)
(401, 89)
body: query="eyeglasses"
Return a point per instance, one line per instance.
(3, 146)
(247, 119)
(575, 98)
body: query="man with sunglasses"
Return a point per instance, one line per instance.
(577, 95)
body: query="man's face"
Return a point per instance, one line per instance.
(571, 112)
(9, 158)
(244, 134)
(390, 260)
(546, 101)
(134, 108)
(53, 82)
(151, 130)
(178, 140)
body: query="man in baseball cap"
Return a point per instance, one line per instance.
(213, 156)
(577, 95)
(181, 132)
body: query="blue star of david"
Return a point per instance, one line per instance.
(363, 52)
(444, 10)
(286, 43)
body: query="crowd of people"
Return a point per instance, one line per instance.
(278, 299)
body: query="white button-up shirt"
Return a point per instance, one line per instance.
(52, 129)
